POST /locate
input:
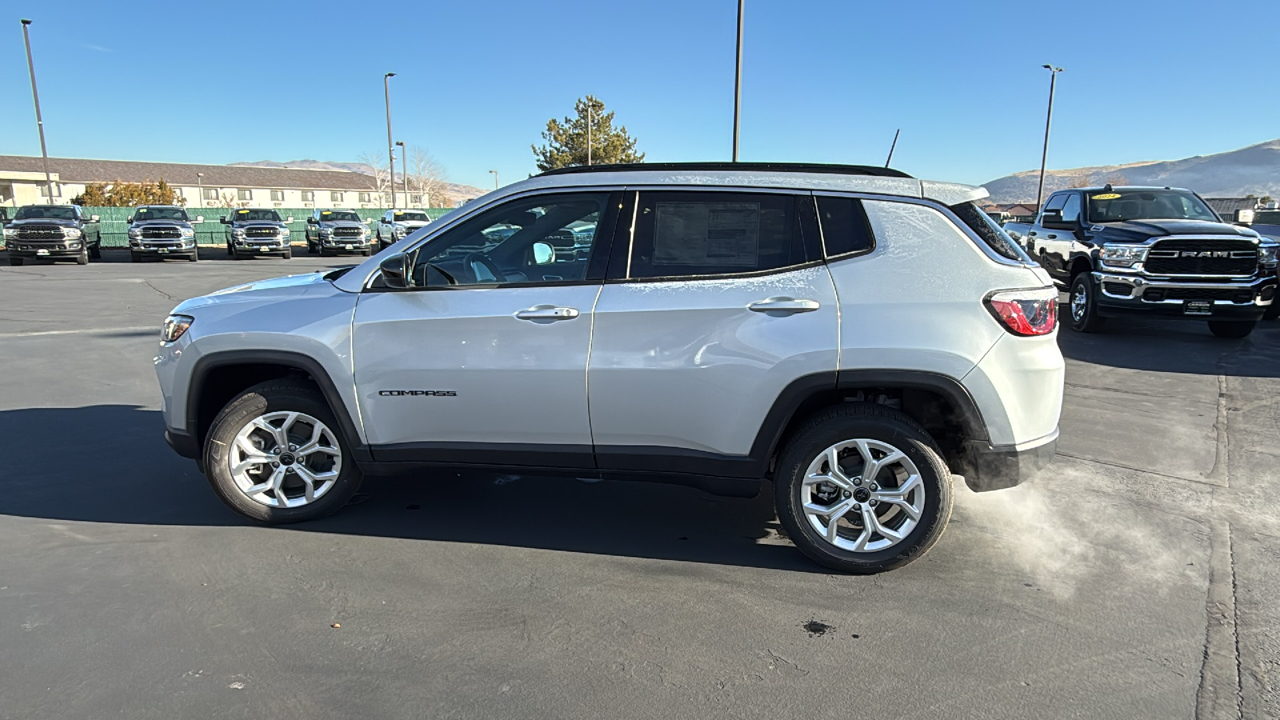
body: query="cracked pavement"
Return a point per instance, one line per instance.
(1136, 579)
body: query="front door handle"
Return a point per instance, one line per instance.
(783, 306)
(547, 313)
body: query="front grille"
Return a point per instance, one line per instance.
(1225, 294)
(262, 232)
(40, 232)
(1202, 257)
(561, 239)
(346, 232)
(161, 232)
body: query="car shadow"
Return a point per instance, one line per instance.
(1173, 345)
(121, 471)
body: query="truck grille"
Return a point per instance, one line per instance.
(161, 232)
(346, 232)
(1202, 257)
(40, 232)
(260, 232)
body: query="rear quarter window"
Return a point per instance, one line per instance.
(989, 232)
(845, 229)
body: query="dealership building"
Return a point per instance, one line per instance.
(22, 182)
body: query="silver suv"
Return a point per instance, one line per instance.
(850, 333)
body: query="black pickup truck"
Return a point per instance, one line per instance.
(54, 232)
(1152, 250)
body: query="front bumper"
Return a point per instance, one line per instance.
(260, 247)
(345, 244)
(1244, 299)
(44, 249)
(161, 248)
(988, 467)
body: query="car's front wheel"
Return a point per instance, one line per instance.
(862, 488)
(275, 454)
(1234, 329)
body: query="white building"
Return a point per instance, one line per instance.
(22, 182)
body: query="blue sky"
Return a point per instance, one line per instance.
(824, 80)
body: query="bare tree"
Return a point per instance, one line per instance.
(427, 177)
(378, 176)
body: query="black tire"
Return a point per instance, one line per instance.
(1233, 329)
(1273, 310)
(288, 254)
(267, 397)
(194, 256)
(83, 257)
(236, 256)
(368, 252)
(873, 422)
(230, 252)
(15, 261)
(1088, 320)
(311, 248)
(95, 252)
(134, 257)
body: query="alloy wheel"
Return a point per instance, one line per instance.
(285, 459)
(863, 495)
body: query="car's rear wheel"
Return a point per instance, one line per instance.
(862, 488)
(95, 252)
(1083, 305)
(1232, 328)
(274, 454)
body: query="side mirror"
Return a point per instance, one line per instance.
(199, 219)
(223, 220)
(1244, 216)
(289, 219)
(311, 221)
(94, 218)
(368, 221)
(543, 254)
(396, 271)
(1052, 219)
(128, 220)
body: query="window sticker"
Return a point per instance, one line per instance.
(726, 234)
(244, 212)
(1105, 196)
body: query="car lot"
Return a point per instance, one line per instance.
(1135, 579)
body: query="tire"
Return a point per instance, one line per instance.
(230, 252)
(311, 248)
(134, 257)
(1084, 318)
(1273, 310)
(15, 261)
(880, 430)
(96, 251)
(83, 257)
(368, 252)
(194, 256)
(288, 254)
(1234, 329)
(271, 400)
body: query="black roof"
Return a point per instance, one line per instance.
(734, 167)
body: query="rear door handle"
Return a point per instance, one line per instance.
(547, 313)
(783, 306)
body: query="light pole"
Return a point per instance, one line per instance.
(1053, 79)
(737, 84)
(31, 68)
(200, 185)
(588, 131)
(391, 150)
(495, 178)
(404, 170)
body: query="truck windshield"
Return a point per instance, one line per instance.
(336, 215)
(257, 215)
(1267, 217)
(412, 217)
(49, 212)
(160, 213)
(1120, 205)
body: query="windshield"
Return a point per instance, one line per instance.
(1267, 217)
(336, 215)
(411, 216)
(160, 213)
(259, 215)
(1120, 205)
(51, 212)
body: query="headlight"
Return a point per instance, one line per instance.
(135, 234)
(71, 232)
(188, 232)
(1267, 254)
(1123, 255)
(326, 231)
(284, 232)
(11, 232)
(237, 233)
(175, 326)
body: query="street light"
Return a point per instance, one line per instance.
(35, 95)
(1053, 78)
(495, 178)
(200, 184)
(737, 84)
(404, 170)
(391, 151)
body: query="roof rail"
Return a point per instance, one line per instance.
(733, 166)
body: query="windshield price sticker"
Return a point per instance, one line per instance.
(1105, 196)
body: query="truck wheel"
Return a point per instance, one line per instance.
(194, 256)
(275, 455)
(288, 254)
(862, 488)
(230, 252)
(1273, 310)
(311, 249)
(134, 257)
(15, 261)
(1231, 328)
(83, 257)
(1083, 305)
(96, 252)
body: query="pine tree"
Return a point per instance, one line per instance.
(567, 141)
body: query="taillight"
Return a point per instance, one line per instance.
(1025, 312)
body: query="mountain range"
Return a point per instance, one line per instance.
(456, 192)
(1253, 170)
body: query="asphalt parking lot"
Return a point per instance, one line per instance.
(1137, 579)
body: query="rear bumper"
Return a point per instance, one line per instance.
(987, 467)
(1249, 298)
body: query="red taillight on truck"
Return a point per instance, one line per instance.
(1025, 312)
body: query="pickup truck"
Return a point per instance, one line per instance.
(53, 232)
(253, 232)
(1152, 250)
(333, 232)
(162, 231)
(396, 224)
